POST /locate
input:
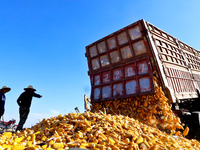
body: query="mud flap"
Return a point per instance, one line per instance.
(196, 117)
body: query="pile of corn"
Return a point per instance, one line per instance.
(153, 110)
(96, 131)
(129, 124)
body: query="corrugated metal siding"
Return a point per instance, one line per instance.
(178, 61)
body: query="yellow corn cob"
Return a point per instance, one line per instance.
(185, 132)
(58, 145)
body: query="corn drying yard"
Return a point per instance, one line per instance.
(151, 126)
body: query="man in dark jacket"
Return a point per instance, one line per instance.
(3, 90)
(24, 102)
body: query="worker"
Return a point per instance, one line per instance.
(24, 102)
(3, 90)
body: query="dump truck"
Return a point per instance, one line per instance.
(124, 63)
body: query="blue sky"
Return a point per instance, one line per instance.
(42, 43)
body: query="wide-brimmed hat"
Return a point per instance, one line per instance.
(30, 87)
(5, 88)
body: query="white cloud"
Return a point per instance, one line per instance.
(34, 118)
(54, 112)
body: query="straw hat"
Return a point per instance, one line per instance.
(30, 87)
(6, 88)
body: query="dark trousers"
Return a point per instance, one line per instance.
(23, 112)
(1, 113)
